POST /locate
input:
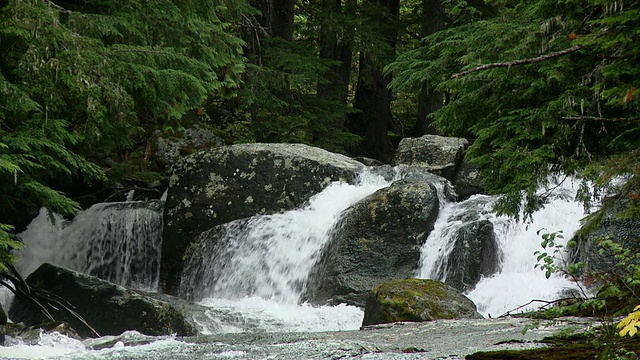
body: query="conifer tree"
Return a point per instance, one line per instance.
(542, 88)
(78, 77)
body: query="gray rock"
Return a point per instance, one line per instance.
(440, 155)
(416, 300)
(3, 316)
(110, 309)
(608, 223)
(170, 150)
(467, 180)
(378, 239)
(217, 186)
(475, 254)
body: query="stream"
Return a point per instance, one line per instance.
(256, 311)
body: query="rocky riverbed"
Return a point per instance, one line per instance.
(441, 339)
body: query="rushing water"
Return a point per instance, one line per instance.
(119, 242)
(251, 273)
(518, 281)
(270, 256)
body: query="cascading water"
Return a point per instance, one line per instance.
(119, 242)
(260, 265)
(251, 273)
(518, 281)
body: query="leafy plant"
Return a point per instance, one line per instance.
(630, 324)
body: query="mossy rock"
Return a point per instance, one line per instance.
(416, 300)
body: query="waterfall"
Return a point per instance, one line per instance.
(118, 242)
(253, 272)
(270, 256)
(517, 281)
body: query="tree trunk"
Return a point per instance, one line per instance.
(433, 17)
(336, 43)
(282, 20)
(373, 98)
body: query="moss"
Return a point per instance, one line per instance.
(402, 300)
(569, 347)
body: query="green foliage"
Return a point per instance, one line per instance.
(8, 243)
(535, 119)
(77, 82)
(279, 102)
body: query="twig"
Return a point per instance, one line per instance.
(32, 295)
(546, 303)
(519, 62)
(596, 118)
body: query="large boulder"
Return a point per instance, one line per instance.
(474, 254)
(217, 186)
(378, 239)
(440, 155)
(416, 300)
(109, 308)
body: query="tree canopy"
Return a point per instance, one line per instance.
(541, 88)
(78, 80)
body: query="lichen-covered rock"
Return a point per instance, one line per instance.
(467, 180)
(217, 186)
(416, 300)
(440, 155)
(110, 309)
(170, 149)
(378, 239)
(474, 254)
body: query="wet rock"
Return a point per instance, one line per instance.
(467, 181)
(440, 155)
(110, 309)
(217, 186)
(378, 239)
(416, 300)
(475, 254)
(3, 316)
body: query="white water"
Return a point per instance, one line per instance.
(119, 242)
(518, 281)
(259, 290)
(130, 344)
(259, 267)
(271, 256)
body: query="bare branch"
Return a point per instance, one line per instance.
(595, 118)
(519, 62)
(57, 7)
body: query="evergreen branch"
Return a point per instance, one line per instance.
(596, 118)
(519, 62)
